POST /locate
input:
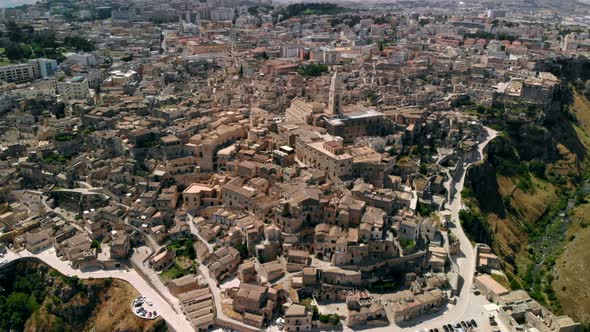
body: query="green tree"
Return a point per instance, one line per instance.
(79, 43)
(423, 169)
(95, 244)
(14, 52)
(243, 249)
(58, 325)
(190, 251)
(16, 310)
(334, 319)
(538, 168)
(312, 70)
(423, 209)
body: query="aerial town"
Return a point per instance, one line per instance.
(253, 165)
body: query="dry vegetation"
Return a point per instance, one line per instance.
(114, 313)
(528, 207)
(572, 282)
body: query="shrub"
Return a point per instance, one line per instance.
(463, 100)
(525, 185)
(330, 318)
(538, 168)
(316, 313)
(476, 226)
(334, 319)
(423, 210)
(406, 244)
(423, 169)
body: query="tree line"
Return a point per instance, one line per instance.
(24, 42)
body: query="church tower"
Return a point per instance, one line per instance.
(335, 97)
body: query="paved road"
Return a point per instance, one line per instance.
(177, 321)
(468, 305)
(466, 258)
(195, 232)
(138, 257)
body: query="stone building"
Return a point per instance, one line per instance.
(298, 318)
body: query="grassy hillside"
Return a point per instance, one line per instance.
(524, 191)
(40, 299)
(571, 283)
(112, 313)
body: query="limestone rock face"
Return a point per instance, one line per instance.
(485, 188)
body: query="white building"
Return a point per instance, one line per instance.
(290, 51)
(119, 77)
(73, 88)
(222, 14)
(85, 59)
(22, 72)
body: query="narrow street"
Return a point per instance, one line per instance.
(194, 231)
(468, 305)
(216, 291)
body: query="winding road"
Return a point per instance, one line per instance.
(467, 303)
(468, 306)
(176, 321)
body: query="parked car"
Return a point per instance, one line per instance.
(445, 328)
(473, 323)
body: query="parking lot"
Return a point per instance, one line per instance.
(462, 326)
(144, 308)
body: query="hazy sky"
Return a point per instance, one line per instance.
(12, 3)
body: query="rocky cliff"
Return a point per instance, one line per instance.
(528, 185)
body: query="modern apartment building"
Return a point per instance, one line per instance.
(73, 88)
